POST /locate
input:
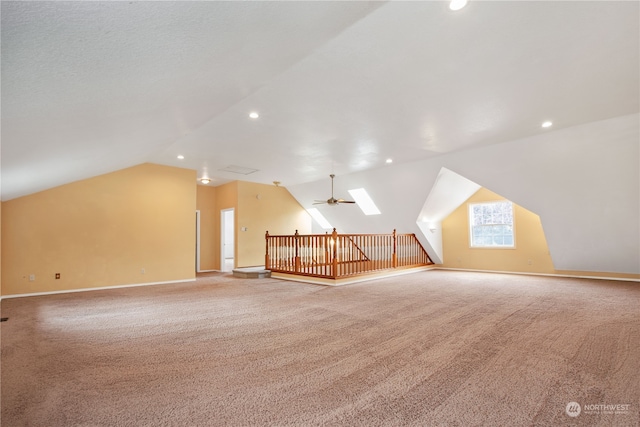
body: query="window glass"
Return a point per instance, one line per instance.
(491, 225)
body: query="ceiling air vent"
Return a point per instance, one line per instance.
(239, 170)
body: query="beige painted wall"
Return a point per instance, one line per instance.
(102, 231)
(531, 253)
(264, 208)
(531, 245)
(257, 208)
(209, 228)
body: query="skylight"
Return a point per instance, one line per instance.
(365, 202)
(320, 219)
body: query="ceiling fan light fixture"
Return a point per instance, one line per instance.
(205, 180)
(547, 124)
(254, 115)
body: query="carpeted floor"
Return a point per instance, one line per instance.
(435, 348)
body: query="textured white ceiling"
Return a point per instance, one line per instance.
(91, 87)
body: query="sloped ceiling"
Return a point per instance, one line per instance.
(583, 182)
(91, 87)
(449, 191)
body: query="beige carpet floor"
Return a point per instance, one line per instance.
(436, 348)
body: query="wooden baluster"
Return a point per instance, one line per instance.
(376, 238)
(372, 263)
(415, 250)
(355, 254)
(387, 252)
(275, 248)
(394, 256)
(334, 254)
(376, 245)
(372, 258)
(374, 250)
(360, 255)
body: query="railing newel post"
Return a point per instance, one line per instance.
(267, 261)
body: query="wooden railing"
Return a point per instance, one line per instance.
(336, 255)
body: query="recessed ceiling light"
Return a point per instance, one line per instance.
(389, 160)
(547, 124)
(205, 180)
(254, 115)
(180, 157)
(457, 4)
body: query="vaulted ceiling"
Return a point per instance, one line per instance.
(92, 87)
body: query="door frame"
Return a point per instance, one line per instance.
(223, 235)
(197, 241)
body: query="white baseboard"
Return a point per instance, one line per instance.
(69, 291)
(572, 276)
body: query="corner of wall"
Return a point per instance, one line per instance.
(263, 208)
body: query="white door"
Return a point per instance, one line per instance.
(227, 239)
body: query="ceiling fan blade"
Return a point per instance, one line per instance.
(319, 203)
(345, 201)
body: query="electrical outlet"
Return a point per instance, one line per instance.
(32, 277)
(57, 275)
(529, 262)
(142, 271)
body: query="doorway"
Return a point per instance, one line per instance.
(197, 241)
(227, 239)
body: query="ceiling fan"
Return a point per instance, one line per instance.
(332, 201)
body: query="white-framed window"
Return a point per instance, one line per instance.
(491, 225)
